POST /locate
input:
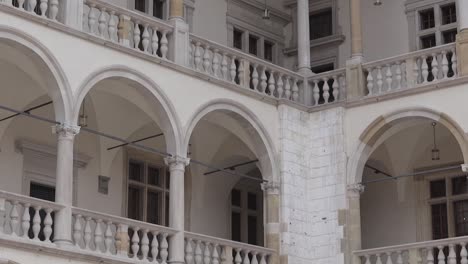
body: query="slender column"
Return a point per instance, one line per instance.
(356, 30)
(179, 44)
(177, 166)
(462, 12)
(272, 201)
(462, 38)
(353, 222)
(176, 9)
(64, 182)
(303, 37)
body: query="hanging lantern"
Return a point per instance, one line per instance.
(435, 151)
(377, 2)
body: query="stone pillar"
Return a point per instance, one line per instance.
(353, 223)
(179, 44)
(272, 226)
(176, 208)
(176, 9)
(356, 30)
(462, 37)
(303, 37)
(71, 13)
(64, 182)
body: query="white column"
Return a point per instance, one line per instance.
(176, 207)
(179, 45)
(176, 9)
(462, 12)
(356, 30)
(64, 182)
(71, 13)
(303, 37)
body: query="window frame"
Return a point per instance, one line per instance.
(149, 8)
(320, 11)
(261, 40)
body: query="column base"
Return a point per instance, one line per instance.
(355, 81)
(462, 52)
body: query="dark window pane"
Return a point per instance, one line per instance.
(459, 185)
(135, 203)
(158, 8)
(449, 36)
(268, 51)
(41, 191)
(428, 41)
(252, 230)
(135, 171)
(461, 217)
(168, 179)
(253, 45)
(323, 68)
(437, 188)
(238, 39)
(427, 19)
(235, 226)
(236, 198)
(252, 201)
(140, 5)
(449, 14)
(154, 206)
(167, 211)
(154, 176)
(439, 221)
(321, 24)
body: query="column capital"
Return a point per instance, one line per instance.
(356, 189)
(65, 130)
(177, 162)
(271, 187)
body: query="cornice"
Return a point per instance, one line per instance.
(275, 13)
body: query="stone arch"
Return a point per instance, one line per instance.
(389, 124)
(58, 88)
(163, 109)
(261, 145)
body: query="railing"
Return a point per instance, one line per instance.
(244, 70)
(451, 251)
(120, 25)
(44, 8)
(27, 218)
(410, 70)
(205, 249)
(328, 87)
(120, 237)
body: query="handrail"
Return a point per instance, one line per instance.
(27, 199)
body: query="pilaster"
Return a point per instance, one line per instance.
(179, 44)
(355, 81)
(71, 13)
(353, 222)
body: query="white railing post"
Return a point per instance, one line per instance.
(2, 215)
(71, 13)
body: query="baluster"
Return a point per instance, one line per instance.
(215, 255)
(108, 237)
(425, 69)
(155, 42)
(379, 79)
(146, 38)
(215, 63)
(263, 259)
(399, 258)
(271, 83)
(336, 88)
(240, 72)
(145, 245)
(224, 67)
(206, 59)
(197, 56)
(430, 256)
(164, 47)
(238, 258)
(25, 224)
(326, 90)
(122, 240)
(463, 254)
(21, 4)
(454, 63)
(379, 259)
(279, 85)
(14, 218)
(246, 257)
(398, 75)
(389, 258)
(254, 77)
(441, 255)
(435, 67)
(263, 79)
(155, 247)
(367, 261)
(98, 235)
(316, 92)
(370, 82)
(342, 93)
(135, 242)
(188, 252)
(87, 233)
(53, 11)
(389, 77)
(77, 230)
(416, 77)
(91, 16)
(287, 88)
(112, 29)
(36, 222)
(198, 252)
(2, 215)
(206, 254)
(452, 256)
(102, 23)
(136, 35)
(164, 247)
(295, 91)
(233, 69)
(445, 65)
(254, 258)
(48, 225)
(32, 5)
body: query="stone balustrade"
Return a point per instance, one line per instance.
(130, 29)
(205, 249)
(328, 87)
(27, 218)
(120, 237)
(45, 8)
(247, 71)
(451, 251)
(411, 70)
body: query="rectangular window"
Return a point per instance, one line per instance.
(323, 68)
(236, 226)
(268, 51)
(41, 191)
(449, 14)
(252, 230)
(252, 201)
(426, 19)
(237, 38)
(428, 41)
(140, 5)
(449, 36)
(158, 8)
(439, 221)
(321, 24)
(135, 202)
(461, 217)
(459, 185)
(437, 188)
(253, 45)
